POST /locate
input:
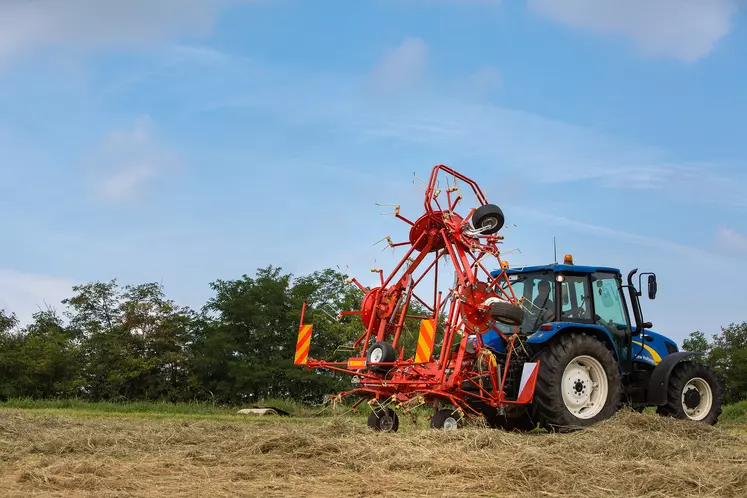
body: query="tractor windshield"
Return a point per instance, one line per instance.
(538, 291)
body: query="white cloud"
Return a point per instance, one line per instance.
(685, 29)
(25, 293)
(730, 240)
(94, 24)
(129, 161)
(662, 245)
(483, 81)
(403, 67)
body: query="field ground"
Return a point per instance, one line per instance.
(79, 449)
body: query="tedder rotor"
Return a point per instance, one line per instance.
(451, 365)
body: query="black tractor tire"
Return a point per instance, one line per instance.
(507, 313)
(488, 215)
(516, 418)
(549, 408)
(385, 353)
(383, 420)
(446, 419)
(695, 377)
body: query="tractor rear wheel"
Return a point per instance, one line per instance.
(516, 418)
(578, 383)
(695, 392)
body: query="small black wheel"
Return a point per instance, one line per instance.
(446, 419)
(507, 313)
(380, 352)
(383, 420)
(695, 392)
(490, 217)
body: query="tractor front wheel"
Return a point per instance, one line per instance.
(578, 383)
(695, 392)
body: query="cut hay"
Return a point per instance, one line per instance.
(629, 455)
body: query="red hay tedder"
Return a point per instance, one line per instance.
(451, 365)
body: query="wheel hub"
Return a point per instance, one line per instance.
(692, 398)
(376, 355)
(450, 423)
(584, 387)
(697, 399)
(386, 423)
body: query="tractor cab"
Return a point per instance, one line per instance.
(556, 297)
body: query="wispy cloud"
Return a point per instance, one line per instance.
(26, 293)
(130, 160)
(95, 24)
(731, 240)
(402, 67)
(685, 29)
(659, 244)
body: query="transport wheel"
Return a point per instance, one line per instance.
(695, 392)
(506, 312)
(489, 217)
(384, 420)
(578, 383)
(380, 352)
(446, 419)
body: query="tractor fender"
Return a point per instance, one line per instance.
(558, 328)
(659, 381)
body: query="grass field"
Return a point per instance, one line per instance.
(71, 448)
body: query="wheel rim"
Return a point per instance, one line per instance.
(376, 355)
(698, 390)
(386, 423)
(489, 223)
(584, 387)
(451, 423)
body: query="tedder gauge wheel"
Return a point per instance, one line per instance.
(488, 217)
(380, 352)
(507, 313)
(384, 420)
(446, 419)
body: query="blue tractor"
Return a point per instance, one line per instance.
(595, 355)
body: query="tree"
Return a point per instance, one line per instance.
(696, 342)
(728, 355)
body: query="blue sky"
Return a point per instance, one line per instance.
(183, 141)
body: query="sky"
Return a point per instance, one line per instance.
(185, 141)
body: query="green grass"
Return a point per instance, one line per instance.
(735, 413)
(152, 409)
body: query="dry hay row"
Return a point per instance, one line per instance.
(629, 455)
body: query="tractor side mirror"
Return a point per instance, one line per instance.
(652, 286)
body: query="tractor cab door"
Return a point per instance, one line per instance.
(610, 311)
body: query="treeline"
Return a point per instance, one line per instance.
(132, 343)
(115, 343)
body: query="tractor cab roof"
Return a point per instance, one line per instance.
(566, 267)
(561, 268)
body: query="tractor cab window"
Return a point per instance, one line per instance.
(575, 301)
(538, 291)
(608, 304)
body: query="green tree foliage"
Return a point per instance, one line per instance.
(696, 342)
